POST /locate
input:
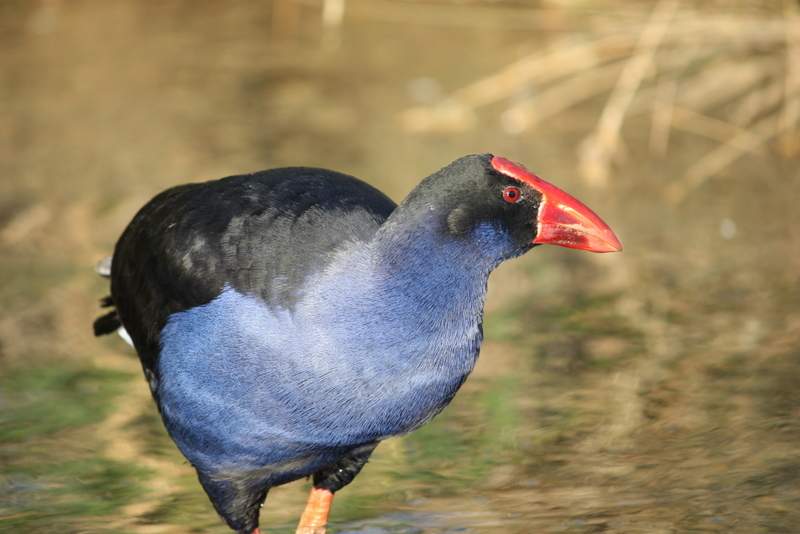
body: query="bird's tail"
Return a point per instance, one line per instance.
(108, 322)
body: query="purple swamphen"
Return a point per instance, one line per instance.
(289, 320)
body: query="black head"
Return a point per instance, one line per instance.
(478, 198)
(506, 208)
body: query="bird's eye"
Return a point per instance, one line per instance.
(512, 194)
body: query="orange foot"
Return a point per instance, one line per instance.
(315, 516)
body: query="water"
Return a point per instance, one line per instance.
(649, 391)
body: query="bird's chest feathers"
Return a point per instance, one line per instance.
(310, 376)
(365, 353)
(419, 322)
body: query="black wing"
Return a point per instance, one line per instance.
(261, 233)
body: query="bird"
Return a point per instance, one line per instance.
(289, 320)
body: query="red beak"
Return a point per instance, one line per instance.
(563, 219)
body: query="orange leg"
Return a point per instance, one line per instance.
(315, 516)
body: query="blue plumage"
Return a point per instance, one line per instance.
(377, 344)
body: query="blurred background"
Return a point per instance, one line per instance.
(650, 391)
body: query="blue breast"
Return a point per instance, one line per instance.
(371, 349)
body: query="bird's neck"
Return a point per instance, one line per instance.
(438, 276)
(413, 293)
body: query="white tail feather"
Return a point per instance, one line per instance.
(124, 335)
(103, 267)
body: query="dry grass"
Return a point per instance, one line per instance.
(732, 78)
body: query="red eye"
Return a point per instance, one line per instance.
(512, 194)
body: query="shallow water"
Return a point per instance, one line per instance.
(649, 391)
